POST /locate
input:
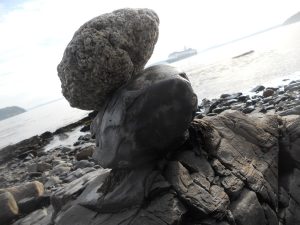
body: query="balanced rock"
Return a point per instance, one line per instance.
(105, 53)
(145, 118)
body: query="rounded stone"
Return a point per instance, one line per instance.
(144, 119)
(105, 53)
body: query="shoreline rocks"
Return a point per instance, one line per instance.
(282, 100)
(211, 171)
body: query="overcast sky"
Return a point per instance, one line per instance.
(34, 34)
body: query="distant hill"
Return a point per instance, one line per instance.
(10, 111)
(293, 19)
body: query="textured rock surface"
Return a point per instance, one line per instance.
(224, 174)
(196, 191)
(289, 165)
(230, 155)
(105, 53)
(38, 217)
(248, 210)
(146, 117)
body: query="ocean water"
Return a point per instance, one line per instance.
(276, 57)
(38, 120)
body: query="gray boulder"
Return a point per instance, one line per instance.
(145, 118)
(105, 53)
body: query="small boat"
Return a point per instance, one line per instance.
(241, 55)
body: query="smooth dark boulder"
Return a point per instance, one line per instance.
(145, 119)
(105, 53)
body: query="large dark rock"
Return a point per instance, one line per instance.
(105, 53)
(145, 118)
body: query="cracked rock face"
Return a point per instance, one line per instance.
(145, 118)
(105, 53)
(224, 174)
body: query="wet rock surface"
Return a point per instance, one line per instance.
(105, 53)
(147, 117)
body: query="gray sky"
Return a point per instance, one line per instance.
(34, 34)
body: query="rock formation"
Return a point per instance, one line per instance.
(105, 53)
(168, 168)
(227, 163)
(165, 164)
(146, 118)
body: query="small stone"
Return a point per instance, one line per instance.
(221, 109)
(52, 181)
(85, 153)
(243, 98)
(85, 128)
(258, 88)
(60, 169)
(248, 109)
(268, 93)
(43, 166)
(35, 174)
(84, 164)
(86, 137)
(31, 168)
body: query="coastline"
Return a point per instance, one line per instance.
(281, 100)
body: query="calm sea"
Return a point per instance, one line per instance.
(275, 56)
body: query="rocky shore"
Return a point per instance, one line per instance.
(67, 170)
(151, 153)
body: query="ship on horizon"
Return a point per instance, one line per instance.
(176, 56)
